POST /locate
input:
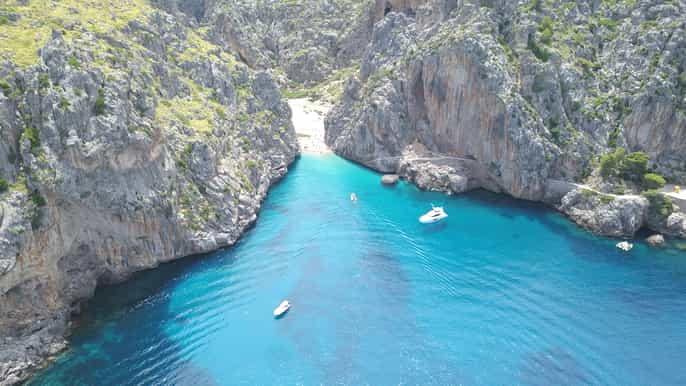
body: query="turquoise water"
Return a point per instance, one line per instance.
(503, 292)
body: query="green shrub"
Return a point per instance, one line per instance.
(43, 81)
(100, 105)
(541, 53)
(608, 23)
(588, 65)
(619, 188)
(546, 30)
(632, 166)
(37, 215)
(3, 185)
(660, 205)
(653, 181)
(5, 87)
(64, 103)
(221, 113)
(32, 135)
(4, 20)
(73, 63)
(185, 156)
(681, 80)
(535, 5)
(610, 163)
(37, 199)
(635, 166)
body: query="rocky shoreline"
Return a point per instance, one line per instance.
(151, 132)
(122, 150)
(457, 96)
(615, 216)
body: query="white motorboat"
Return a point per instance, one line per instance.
(625, 246)
(282, 308)
(436, 214)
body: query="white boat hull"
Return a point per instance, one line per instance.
(625, 246)
(426, 219)
(436, 214)
(282, 308)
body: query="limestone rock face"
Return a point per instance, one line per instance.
(523, 101)
(457, 100)
(429, 176)
(619, 216)
(119, 158)
(309, 40)
(674, 225)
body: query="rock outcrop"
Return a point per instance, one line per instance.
(673, 225)
(615, 216)
(390, 179)
(122, 146)
(307, 41)
(521, 96)
(655, 240)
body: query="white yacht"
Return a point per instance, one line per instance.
(282, 308)
(625, 246)
(434, 215)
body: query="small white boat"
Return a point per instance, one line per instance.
(282, 308)
(625, 246)
(434, 215)
(353, 197)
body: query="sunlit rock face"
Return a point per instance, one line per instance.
(143, 144)
(507, 95)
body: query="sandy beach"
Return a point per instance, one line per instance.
(308, 120)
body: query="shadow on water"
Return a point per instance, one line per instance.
(435, 228)
(188, 374)
(121, 329)
(661, 287)
(581, 242)
(506, 206)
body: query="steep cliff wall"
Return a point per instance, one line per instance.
(519, 95)
(127, 140)
(303, 42)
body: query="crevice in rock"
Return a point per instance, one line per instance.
(417, 105)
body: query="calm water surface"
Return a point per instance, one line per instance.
(503, 292)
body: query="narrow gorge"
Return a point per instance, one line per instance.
(137, 132)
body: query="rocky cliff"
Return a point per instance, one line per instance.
(128, 138)
(139, 131)
(304, 44)
(519, 97)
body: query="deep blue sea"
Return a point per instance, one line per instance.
(503, 292)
